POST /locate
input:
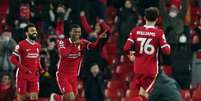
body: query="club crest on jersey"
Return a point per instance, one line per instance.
(32, 54)
(61, 44)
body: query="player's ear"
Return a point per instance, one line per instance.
(145, 18)
(70, 32)
(26, 33)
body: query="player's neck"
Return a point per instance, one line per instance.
(32, 41)
(73, 40)
(150, 23)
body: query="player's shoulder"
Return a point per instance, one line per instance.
(159, 31)
(22, 42)
(134, 30)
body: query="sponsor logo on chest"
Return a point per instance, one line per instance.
(32, 53)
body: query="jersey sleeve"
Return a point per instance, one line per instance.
(165, 47)
(16, 52)
(91, 45)
(130, 41)
(14, 58)
(85, 24)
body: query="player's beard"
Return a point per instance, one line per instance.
(32, 36)
(75, 38)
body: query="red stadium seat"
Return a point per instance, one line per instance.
(111, 48)
(196, 96)
(127, 95)
(185, 94)
(43, 99)
(122, 76)
(117, 85)
(167, 69)
(113, 38)
(114, 99)
(124, 68)
(126, 99)
(109, 53)
(80, 92)
(80, 99)
(113, 93)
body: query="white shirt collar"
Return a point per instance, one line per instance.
(70, 40)
(31, 42)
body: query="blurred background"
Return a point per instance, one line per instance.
(180, 20)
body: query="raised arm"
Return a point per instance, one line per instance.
(91, 45)
(85, 23)
(130, 41)
(162, 6)
(105, 26)
(184, 8)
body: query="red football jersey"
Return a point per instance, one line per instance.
(147, 41)
(28, 53)
(71, 55)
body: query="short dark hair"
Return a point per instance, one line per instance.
(74, 26)
(28, 26)
(51, 40)
(151, 13)
(5, 74)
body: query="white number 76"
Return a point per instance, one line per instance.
(145, 46)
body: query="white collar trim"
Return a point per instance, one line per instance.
(70, 40)
(32, 43)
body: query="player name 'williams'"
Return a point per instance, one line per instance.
(146, 33)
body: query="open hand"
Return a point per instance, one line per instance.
(82, 13)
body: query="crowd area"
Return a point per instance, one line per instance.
(106, 72)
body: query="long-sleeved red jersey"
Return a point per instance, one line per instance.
(89, 29)
(147, 41)
(26, 58)
(71, 55)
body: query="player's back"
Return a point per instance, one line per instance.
(147, 44)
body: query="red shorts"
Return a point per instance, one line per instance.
(24, 86)
(67, 83)
(145, 81)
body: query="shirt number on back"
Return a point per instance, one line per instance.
(145, 46)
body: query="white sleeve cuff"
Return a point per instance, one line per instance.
(129, 39)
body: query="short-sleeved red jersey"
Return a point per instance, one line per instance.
(147, 41)
(28, 53)
(71, 55)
